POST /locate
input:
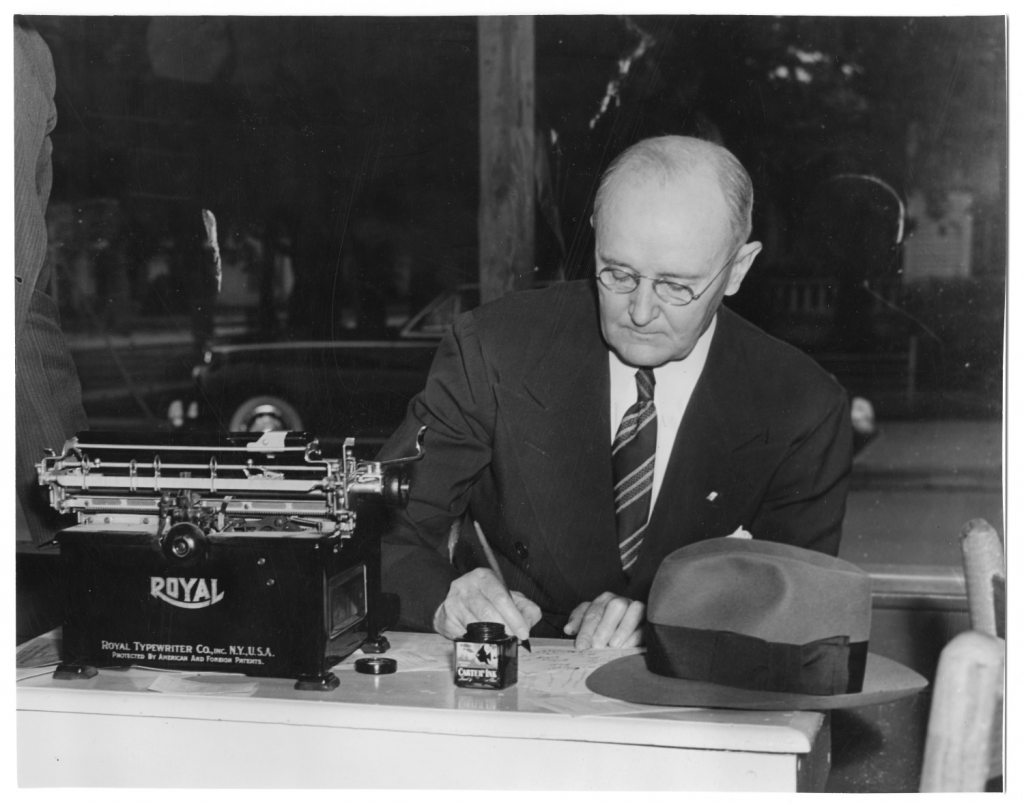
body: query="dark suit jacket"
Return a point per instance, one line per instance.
(48, 397)
(518, 432)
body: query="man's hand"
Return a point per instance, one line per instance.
(610, 621)
(480, 596)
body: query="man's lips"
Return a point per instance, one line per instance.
(640, 334)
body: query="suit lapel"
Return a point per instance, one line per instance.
(720, 443)
(558, 419)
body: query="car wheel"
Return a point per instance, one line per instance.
(266, 413)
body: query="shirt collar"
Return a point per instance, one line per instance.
(670, 376)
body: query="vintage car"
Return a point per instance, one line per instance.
(360, 386)
(348, 387)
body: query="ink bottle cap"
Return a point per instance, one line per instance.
(485, 631)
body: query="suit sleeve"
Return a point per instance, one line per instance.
(457, 407)
(806, 500)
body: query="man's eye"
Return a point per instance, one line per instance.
(620, 275)
(674, 288)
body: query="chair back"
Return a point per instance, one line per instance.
(985, 574)
(964, 745)
(965, 723)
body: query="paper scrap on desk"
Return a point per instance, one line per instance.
(231, 685)
(43, 650)
(408, 660)
(560, 658)
(564, 681)
(563, 670)
(35, 671)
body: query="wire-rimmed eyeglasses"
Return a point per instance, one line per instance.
(623, 281)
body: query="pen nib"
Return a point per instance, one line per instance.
(526, 645)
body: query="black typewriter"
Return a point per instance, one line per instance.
(251, 553)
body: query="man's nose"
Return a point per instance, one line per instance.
(643, 303)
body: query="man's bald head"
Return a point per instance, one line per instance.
(675, 157)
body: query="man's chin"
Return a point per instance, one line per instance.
(642, 355)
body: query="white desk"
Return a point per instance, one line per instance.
(407, 730)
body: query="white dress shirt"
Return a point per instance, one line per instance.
(673, 386)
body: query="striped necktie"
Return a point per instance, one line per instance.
(633, 467)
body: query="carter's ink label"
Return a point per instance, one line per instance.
(476, 662)
(486, 664)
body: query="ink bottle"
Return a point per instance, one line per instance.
(485, 657)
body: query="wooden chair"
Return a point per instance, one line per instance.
(985, 572)
(964, 745)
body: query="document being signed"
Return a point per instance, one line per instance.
(562, 668)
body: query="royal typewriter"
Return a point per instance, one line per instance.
(251, 553)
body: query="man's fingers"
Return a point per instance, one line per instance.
(572, 626)
(446, 624)
(441, 621)
(628, 633)
(531, 612)
(480, 596)
(509, 614)
(591, 619)
(636, 639)
(499, 607)
(610, 619)
(458, 616)
(513, 610)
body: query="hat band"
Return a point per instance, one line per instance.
(825, 667)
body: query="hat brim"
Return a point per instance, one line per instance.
(629, 679)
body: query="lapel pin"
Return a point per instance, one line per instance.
(712, 496)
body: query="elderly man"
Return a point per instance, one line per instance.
(592, 428)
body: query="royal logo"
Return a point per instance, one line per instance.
(188, 593)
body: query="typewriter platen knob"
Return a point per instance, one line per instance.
(395, 487)
(184, 543)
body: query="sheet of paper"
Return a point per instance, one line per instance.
(565, 681)
(564, 670)
(36, 671)
(545, 659)
(43, 650)
(220, 684)
(408, 660)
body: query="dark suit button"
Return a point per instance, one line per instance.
(521, 551)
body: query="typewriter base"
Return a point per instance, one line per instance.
(327, 682)
(271, 605)
(373, 645)
(73, 671)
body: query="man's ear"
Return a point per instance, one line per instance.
(741, 265)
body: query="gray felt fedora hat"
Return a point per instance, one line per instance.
(756, 625)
